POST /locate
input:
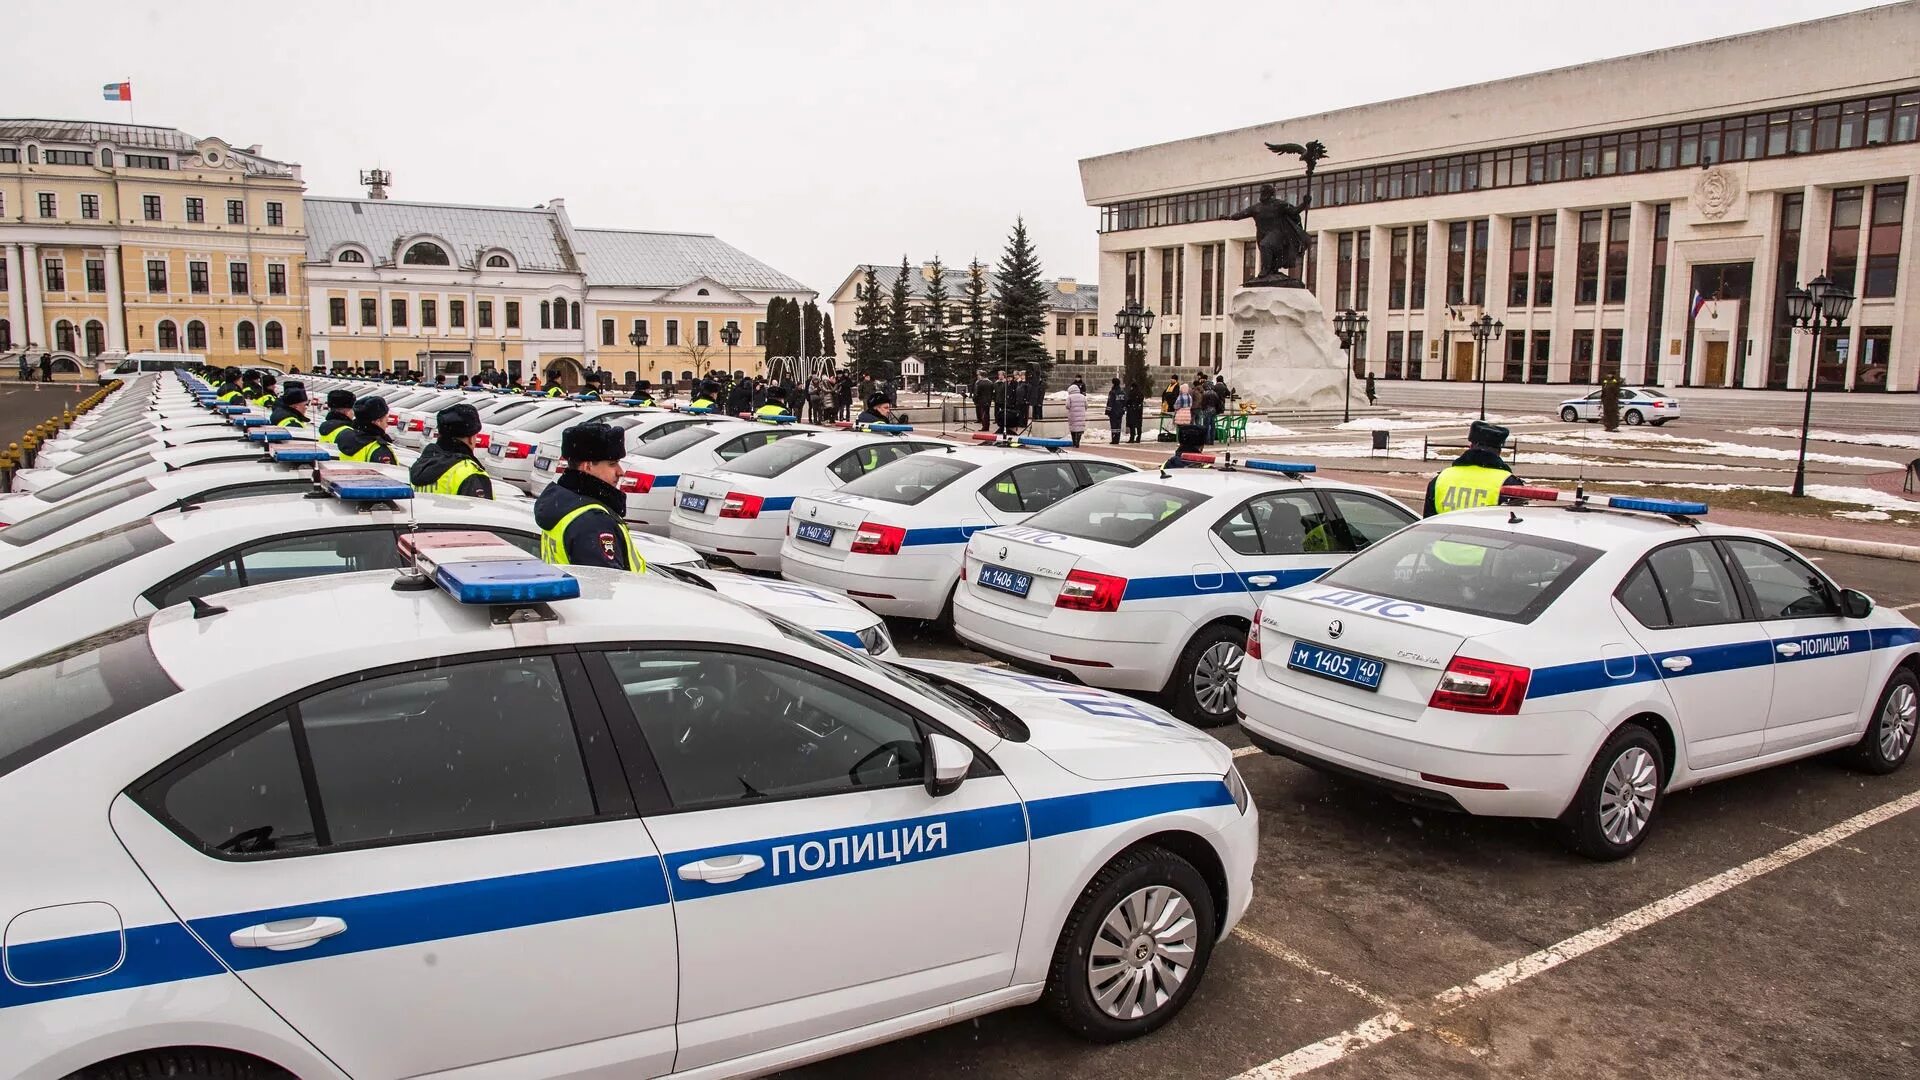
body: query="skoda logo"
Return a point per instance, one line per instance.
(813, 511)
(1335, 629)
(1003, 552)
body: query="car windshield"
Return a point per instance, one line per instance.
(495, 414)
(107, 452)
(775, 459)
(911, 479)
(670, 444)
(1117, 512)
(902, 679)
(1479, 571)
(552, 419)
(28, 583)
(53, 699)
(46, 523)
(68, 488)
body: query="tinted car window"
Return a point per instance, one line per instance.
(34, 580)
(105, 453)
(1283, 523)
(287, 559)
(873, 456)
(659, 431)
(1364, 520)
(1640, 595)
(1117, 512)
(547, 420)
(728, 728)
(499, 414)
(908, 481)
(775, 459)
(48, 522)
(1694, 585)
(1786, 587)
(1481, 572)
(741, 445)
(245, 797)
(53, 699)
(1101, 470)
(668, 445)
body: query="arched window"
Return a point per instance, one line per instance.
(702, 292)
(424, 254)
(546, 315)
(167, 335)
(276, 338)
(351, 256)
(6, 335)
(576, 315)
(96, 335)
(243, 335)
(63, 336)
(196, 335)
(497, 262)
(106, 162)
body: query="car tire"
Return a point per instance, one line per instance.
(1164, 901)
(1635, 418)
(1615, 807)
(1203, 689)
(1570, 415)
(193, 1062)
(1888, 740)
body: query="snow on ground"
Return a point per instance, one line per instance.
(1431, 420)
(1260, 429)
(1863, 515)
(1880, 501)
(1660, 440)
(1857, 438)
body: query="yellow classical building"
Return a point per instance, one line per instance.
(123, 237)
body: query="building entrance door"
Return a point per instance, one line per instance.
(1463, 361)
(1716, 374)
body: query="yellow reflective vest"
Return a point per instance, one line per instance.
(448, 483)
(553, 542)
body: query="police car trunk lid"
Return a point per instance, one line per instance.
(1412, 642)
(844, 514)
(1046, 558)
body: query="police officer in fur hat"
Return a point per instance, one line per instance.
(447, 466)
(582, 514)
(367, 439)
(290, 408)
(339, 416)
(1475, 477)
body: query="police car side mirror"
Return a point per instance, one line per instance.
(948, 761)
(1855, 604)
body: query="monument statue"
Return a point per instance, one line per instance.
(1280, 227)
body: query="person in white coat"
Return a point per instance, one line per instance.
(1076, 410)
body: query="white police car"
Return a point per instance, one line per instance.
(894, 538)
(1576, 663)
(641, 427)
(510, 445)
(1149, 582)
(739, 513)
(650, 473)
(554, 832)
(1638, 405)
(54, 485)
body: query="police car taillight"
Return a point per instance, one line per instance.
(1481, 686)
(482, 441)
(1085, 590)
(739, 504)
(636, 483)
(1253, 637)
(559, 466)
(519, 449)
(416, 424)
(872, 539)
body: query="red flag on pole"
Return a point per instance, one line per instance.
(117, 91)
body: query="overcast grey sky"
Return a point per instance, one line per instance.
(812, 135)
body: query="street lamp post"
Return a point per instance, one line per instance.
(730, 334)
(1486, 329)
(1351, 326)
(1132, 324)
(1818, 309)
(638, 340)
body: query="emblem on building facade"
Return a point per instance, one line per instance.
(1718, 195)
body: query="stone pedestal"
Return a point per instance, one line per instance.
(1282, 353)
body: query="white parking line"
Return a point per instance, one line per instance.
(1908, 607)
(1245, 751)
(1378, 1029)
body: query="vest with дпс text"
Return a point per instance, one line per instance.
(1467, 487)
(553, 542)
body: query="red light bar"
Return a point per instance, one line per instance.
(1197, 459)
(1542, 494)
(985, 436)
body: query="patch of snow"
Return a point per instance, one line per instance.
(1660, 440)
(1431, 420)
(1863, 515)
(1879, 500)
(1856, 438)
(1260, 429)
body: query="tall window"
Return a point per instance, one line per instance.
(1173, 265)
(1544, 229)
(1133, 275)
(236, 212)
(483, 314)
(575, 322)
(196, 335)
(429, 313)
(156, 275)
(640, 330)
(97, 276)
(457, 314)
(1656, 302)
(49, 205)
(1520, 248)
(1457, 262)
(1582, 370)
(96, 338)
(90, 207)
(513, 314)
(1206, 350)
(276, 214)
(1343, 272)
(276, 338)
(276, 279)
(1477, 270)
(150, 207)
(1417, 283)
(1612, 342)
(606, 331)
(1586, 288)
(1416, 350)
(336, 311)
(167, 335)
(1310, 273)
(237, 278)
(1060, 326)
(1249, 260)
(196, 209)
(197, 278)
(1619, 227)
(546, 315)
(1538, 359)
(1396, 354)
(673, 332)
(1883, 240)
(1362, 268)
(398, 312)
(1843, 241)
(759, 332)
(63, 336)
(700, 329)
(1396, 282)
(243, 336)
(1208, 274)
(369, 311)
(57, 275)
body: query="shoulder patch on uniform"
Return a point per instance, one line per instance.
(609, 547)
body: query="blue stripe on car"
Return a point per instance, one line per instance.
(1712, 659)
(956, 534)
(776, 502)
(845, 637)
(1161, 588)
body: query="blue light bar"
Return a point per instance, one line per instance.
(698, 409)
(295, 456)
(363, 485)
(272, 434)
(1292, 467)
(1027, 440)
(1657, 506)
(515, 581)
(885, 429)
(249, 421)
(233, 410)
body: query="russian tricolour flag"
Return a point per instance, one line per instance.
(117, 91)
(1699, 302)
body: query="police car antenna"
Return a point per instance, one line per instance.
(203, 609)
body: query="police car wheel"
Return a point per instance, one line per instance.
(193, 1062)
(1615, 806)
(1570, 415)
(1134, 947)
(1635, 418)
(1890, 734)
(1204, 688)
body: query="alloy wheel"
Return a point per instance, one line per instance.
(1897, 720)
(1214, 676)
(1627, 795)
(1143, 951)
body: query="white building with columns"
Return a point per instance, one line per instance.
(1645, 215)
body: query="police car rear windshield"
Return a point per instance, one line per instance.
(46, 523)
(673, 442)
(106, 452)
(28, 583)
(775, 459)
(1117, 512)
(52, 700)
(67, 489)
(551, 419)
(911, 479)
(1477, 571)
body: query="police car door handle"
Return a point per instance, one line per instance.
(288, 933)
(1262, 580)
(1677, 663)
(1788, 648)
(721, 868)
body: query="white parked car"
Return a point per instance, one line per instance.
(1638, 405)
(650, 473)
(1149, 582)
(264, 835)
(642, 427)
(894, 538)
(61, 481)
(1576, 665)
(510, 446)
(739, 513)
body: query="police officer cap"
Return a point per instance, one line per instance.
(249, 375)
(369, 409)
(294, 394)
(458, 421)
(1485, 434)
(593, 442)
(339, 399)
(875, 401)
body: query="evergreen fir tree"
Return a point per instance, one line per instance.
(811, 315)
(973, 344)
(772, 343)
(1020, 305)
(826, 334)
(870, 320)
(900, 335)
(936, 348)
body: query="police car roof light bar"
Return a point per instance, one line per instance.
(1670, 507)
(295, 457)
(1535, 494)
(249, 421)
(357, 483)
(1290, 468)
(233, 410)
(481, 568)
(267, 435)
(1030, 440)
(1200, 459)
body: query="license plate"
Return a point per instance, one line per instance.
(496, 450)
(541, 463)
(1004, 580)
(1359, 671)
(695, 503)
(815, 534)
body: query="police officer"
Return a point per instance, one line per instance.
(230, 390)
(367, 439)
(447, 466)
(249, 387)
(703, 397)
(290, 409)
(1475, 477)
(263, 396)
(643, 393)
(581, 513)
(554, 389)
(776, 406)
(339, 416)
(878, 411)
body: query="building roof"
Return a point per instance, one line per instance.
(666, 260)
(530, 235)
(131, 137)
(1076, 296)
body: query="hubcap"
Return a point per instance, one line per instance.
(1626, 797)
(1143, 952)
(1897, 720)
(1214, 674)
